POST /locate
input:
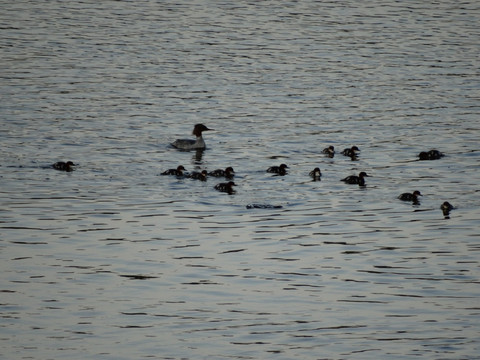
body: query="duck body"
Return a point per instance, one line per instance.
(202, 176)
(430, 155)
(63, 166)
(191, 144)
(329, 151)
(263, 206)
(280, 170)
(316, 174)
(353, 179)
(413, 197)
(226, 187)
(351, 152)
(177, 172)
(446, 207)
(228, 173)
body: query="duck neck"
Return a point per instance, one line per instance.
(199, 141)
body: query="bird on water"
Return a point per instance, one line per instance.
(191, 144)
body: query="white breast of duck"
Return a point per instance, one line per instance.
(316, 173)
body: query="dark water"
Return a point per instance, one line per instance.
(113, 261)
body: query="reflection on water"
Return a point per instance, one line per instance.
(112, 260)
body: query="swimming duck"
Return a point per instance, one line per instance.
(410, 197)
(198, 175)
(352, 152)
(316, 174)
(280, 170)
(190, 144)
(229, 173)
(263, 206)
(446, 207)
(226, 187)
(63, 166)
(430, 155)
(329, 151)
(353, 179)
(177, 172)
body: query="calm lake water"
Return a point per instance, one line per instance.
(113, 261)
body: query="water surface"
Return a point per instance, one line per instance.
(113, 261)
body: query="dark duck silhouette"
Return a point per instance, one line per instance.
(353, 179)
(228, 173)
(226, 187)
(64, 166)
(329, 151)
(430, 155)
(446, 207)
(177, 172)
(280, 170)
(202, 175)
(413, 197)
(315, 174)
(351, 152)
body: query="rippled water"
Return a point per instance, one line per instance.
(113, 261)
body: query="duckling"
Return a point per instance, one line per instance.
(226, 187)
(446, 207)
(177, 172)
(329, 151)
(353, 179)
(352, 152)
(228, 173)
(430, 155)
(316, 174)
(280, 170)
(413, 197)
(202, 176)
(63, 166)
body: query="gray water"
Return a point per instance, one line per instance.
(113, 261)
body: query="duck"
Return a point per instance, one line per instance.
(63, 166)
(190, 144)
(351, 152)
(263, 206)
(446, 207)
(280, 170)
(177, 172)
(353, 179)
(431, 155)
(410, 196)
(316, 174)
(226, 187)
(329, 151)
(228, 173)
(202, 175)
